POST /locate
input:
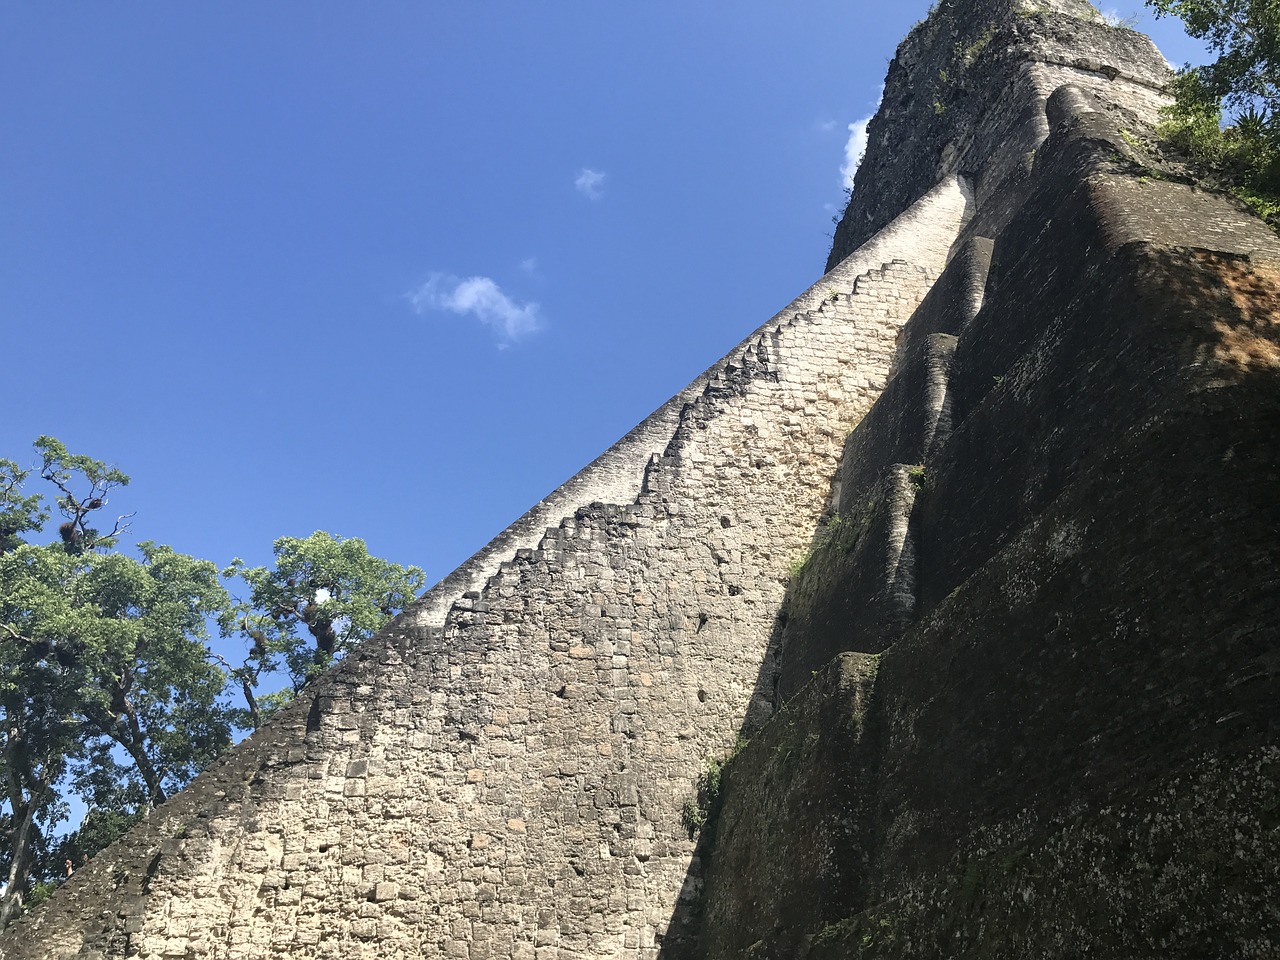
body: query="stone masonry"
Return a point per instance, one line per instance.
(508, 770)
(510, 783)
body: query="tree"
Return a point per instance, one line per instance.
(1245, 36)
(105, 682)
(1244, 79)
(109, 691)
(150, 686)
(39, 686)
(61, 468)
(19, 514)
(324, 595)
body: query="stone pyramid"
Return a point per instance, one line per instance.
(972, 544)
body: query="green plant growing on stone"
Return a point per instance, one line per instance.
(974, 50)
(836, 536)
(833, 294)
(917, 477)
(798, 563)
(699, 811)
(838, 533)
(692, 817)
(1242, 86)
(866, 929)
(1117, 22)
(1265, 205)
(831, 529)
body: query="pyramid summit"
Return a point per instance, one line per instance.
(936, 619)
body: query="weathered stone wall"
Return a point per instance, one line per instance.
(966, 92)
(511, 784)
(617, 474)
(1070, 746)
(791, 846)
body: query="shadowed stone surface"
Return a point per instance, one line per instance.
(1071, 749)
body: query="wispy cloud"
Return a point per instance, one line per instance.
(826, 126)
(483, 300)
(854, 148)
(590, 183)
(856, 145)
(529, 266)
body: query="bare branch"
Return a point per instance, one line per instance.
(15, 634)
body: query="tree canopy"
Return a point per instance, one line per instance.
(323, 596)
(1241, 87)
(1245, 36)
(111, 694)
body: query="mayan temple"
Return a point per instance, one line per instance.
(939, 619)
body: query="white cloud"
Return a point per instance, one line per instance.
(854, 148)
(826, 126)
(481, 298)
(529, 266)
(590, 183)
(856, 145)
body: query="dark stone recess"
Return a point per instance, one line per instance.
(792, 832)
(954, 299)
(1088, 722)
(856, 590)
(1129, 631)
(1086, 334)
(904, 428)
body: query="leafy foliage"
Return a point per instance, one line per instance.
(19, 514)
(699, 811)
(151, 688)
(38, 686)
(109, 691)
(1242, 85)
(324, 595)
(105, 685)
(62, 468)
(1245, 35)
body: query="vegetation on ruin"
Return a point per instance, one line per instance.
(699, 811)
(111, 695)
(1226, 115)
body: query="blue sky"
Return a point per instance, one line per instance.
(395, 270)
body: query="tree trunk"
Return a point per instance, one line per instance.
(255, 717)
(19, 864)
(134, 741)
(25, 805)
(326, 637)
